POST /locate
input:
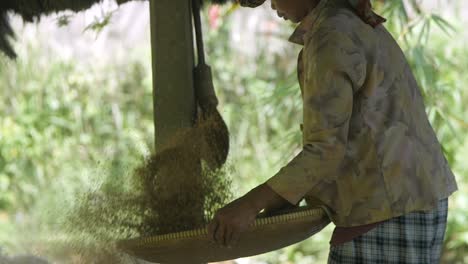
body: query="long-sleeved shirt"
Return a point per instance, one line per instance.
(369, 152)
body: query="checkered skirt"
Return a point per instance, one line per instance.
(414, 238)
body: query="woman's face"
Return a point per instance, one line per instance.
(293, 10)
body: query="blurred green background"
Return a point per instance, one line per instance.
(65, 123)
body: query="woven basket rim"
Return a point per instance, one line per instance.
(294, 215)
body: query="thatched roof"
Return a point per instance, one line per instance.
(32, 10)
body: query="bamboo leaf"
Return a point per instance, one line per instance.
(444, 25)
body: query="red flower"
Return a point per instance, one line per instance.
(214, 16)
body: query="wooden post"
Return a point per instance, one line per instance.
(172, 62)
(172, 52)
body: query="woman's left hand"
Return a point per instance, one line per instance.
(232, 220)
(235, 218)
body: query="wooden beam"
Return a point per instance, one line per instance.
(172, 62)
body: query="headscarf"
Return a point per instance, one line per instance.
(363, 9)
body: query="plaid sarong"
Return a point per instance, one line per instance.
(414, 238)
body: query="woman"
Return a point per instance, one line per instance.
(370, 155)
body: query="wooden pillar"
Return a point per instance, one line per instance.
(172, 52)
(172, 62)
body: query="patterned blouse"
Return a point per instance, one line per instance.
(369, 152)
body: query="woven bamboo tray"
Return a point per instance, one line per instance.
(194, 246)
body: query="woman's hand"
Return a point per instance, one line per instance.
(232, 220)
(235, 218)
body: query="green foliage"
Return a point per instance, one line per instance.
(65, 128)
(51, 118)
(98, 24)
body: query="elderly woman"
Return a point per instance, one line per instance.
(370, 157)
